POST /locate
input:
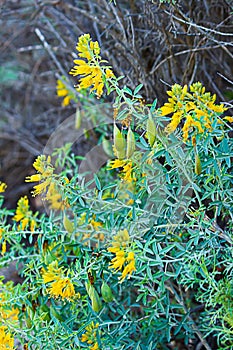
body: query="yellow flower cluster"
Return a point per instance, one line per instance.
(124, 260)
(7, 313)
(54, 198)
(24, 214)
(89, 336)
(47, 182)
(196, 107)
(6, 339)
(62, 91)
(45, 174)
(92, 73)
(127, 169)
(3, 187)
(60, 283)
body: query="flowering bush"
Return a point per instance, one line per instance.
(141, 255)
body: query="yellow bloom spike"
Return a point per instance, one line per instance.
(90, 336)
(92, 73)
(45, 174)
(197, 107)
(129, 268)
(24, 215)
(118, 262)
(61, 285)
(124, 260)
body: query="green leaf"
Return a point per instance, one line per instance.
(137, 89)
(97, 182)
(127, 90)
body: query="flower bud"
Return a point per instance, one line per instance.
(130, 143)
(106, 292)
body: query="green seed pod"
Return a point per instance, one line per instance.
(106, 293)
(119, 143)
(96, 303)
(88, 287)
(198, 167)
(107, 147)
(78, 118)
(69, 226)
(130, 143)
(151, 131)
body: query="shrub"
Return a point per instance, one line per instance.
(140, 255)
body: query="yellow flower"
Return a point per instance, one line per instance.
(95, 224)
(3, 187)
(86, 47)
(92, 73)
(41, 164)
(89, 336)
(45, 170)
(130, 267)
(167, 108)
(63, 288)
(124, 258)
(3, 248)
(117, 163)
(228, 119)
(126, 172)
(6, 339)
(53, 273)
(24, 214)
(175, 121)
(62, 91)
(61, 285)
(54, 198)
(94, 347)
(117, 262)
(197, 107)
(109, 73)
